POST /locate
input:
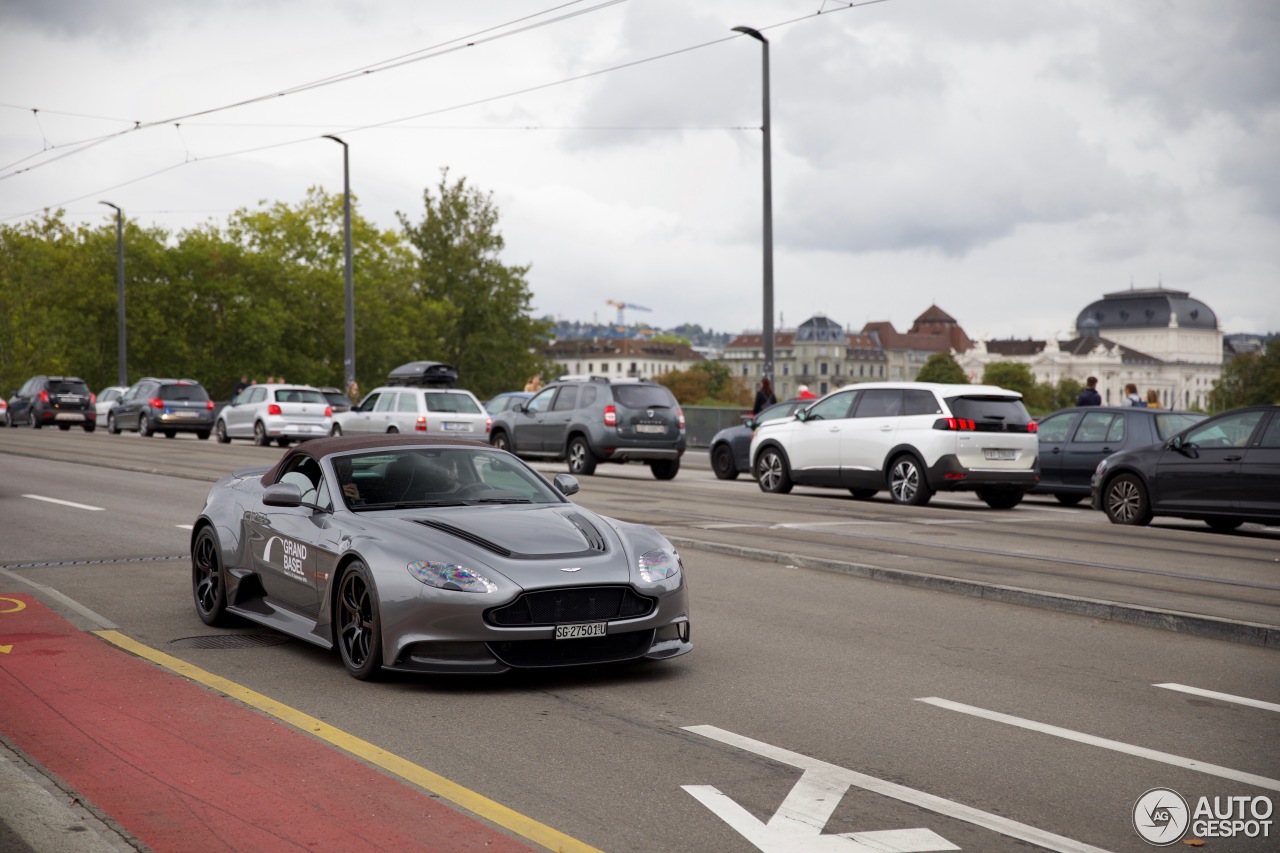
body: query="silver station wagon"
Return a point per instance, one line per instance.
(416, 411)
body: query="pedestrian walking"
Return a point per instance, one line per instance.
(1153, 399)
(1090, 396)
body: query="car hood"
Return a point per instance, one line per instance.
(523, 533)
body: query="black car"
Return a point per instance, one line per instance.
(731, 446)
(1224, 471)
(61, 401)
(337, 400)
(1073, 442)
(163, 406)
(588, 420)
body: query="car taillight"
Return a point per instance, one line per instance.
(680, 416)
(421, 425)
(93, 398)
(1033, 427)
(488, 422)
(611, 416)
(156, 403)
(954, 424)
(328, 410)
(208, 404)
(44, 396)
(273, 409)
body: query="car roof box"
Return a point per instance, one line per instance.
(423, 373)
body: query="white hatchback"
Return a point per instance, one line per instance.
(416, 411)
(912, 438)
(282, 413)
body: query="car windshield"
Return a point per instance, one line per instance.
(1169, 424)
(643, 396)
(778, 412)
(437, 477)
(300, 395)
(462, 403)
(185, 392)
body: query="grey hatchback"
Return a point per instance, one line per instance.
(597, 419)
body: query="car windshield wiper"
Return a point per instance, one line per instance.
(502, 501)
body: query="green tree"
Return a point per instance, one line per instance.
(942, 367)
(485, 328)
(1248, 379)
(707, 383)
(1013, 375)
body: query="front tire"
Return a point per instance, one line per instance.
(1125, 501)
(500, 441)
(112, 426)
(359, 624)
(220, 432)
(1000, 498)
(722, 463)
(907, 482)
(772, 472)
(260, 435)
(208, 581)
(582, 462)
(664, 469)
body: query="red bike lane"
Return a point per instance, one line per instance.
(181, 767)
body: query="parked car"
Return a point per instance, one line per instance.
(338, 400)
(280, 413)
(912, 438)
(1073, 441)
(155, 406)
(416, 411)
(503, 402)
(731, 446)
(452, 559)
(107, 398)
(1224, 471)
(62, 401)
(4, 412)
(588, 420)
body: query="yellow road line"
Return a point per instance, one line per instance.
(525, 827)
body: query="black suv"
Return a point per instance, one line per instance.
(167, 406)
(595, 419)
(62, 401)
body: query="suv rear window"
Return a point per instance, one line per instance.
(460, 403)
(643, 396)
(188, 392)
(62, 386)
(991, 414)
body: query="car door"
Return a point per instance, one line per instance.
(813, 446)
(867, 437)
(239, 415)
(359, 420)
(129, 414)
(1202, 472)
(294, 548)
(20, 403)
(1054, 432)
(405, 416)
(1259, 486)
(1098, 435)
(527, 433)
(553, 430)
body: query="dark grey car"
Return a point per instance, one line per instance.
(163, 406)
(588, 421)
(61, 401)
(1073, 441)
(731, 446)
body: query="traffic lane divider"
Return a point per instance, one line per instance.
(182, 768)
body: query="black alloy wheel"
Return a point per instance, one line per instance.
(722, 463)
(359, 625)
(1125, 501)
(208, 583)
(582, 462)
(907, 482)
(772, 472)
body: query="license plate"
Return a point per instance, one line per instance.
(453, 426)
(68, 416)
(574, 632)
(650, 428)
(1000, 454)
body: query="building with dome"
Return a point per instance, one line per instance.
(1156, 338)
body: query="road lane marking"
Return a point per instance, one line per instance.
(477, 804)
(821, 773)
(1105, 743)
(1225, 697)
(64, 503)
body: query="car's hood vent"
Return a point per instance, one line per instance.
(526, 535)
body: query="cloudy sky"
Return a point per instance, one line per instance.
(1010, 161)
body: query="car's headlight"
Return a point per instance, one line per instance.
(450, 576)
(658, 564)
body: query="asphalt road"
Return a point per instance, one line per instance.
(803, 704)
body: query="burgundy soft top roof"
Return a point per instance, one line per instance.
(319, 448)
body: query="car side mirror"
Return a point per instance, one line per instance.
(566, 484)
(749, 423)
(282, 494)
(517, 407)
(802, 414)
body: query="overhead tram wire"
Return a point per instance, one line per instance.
(390, 122)
(469, 40)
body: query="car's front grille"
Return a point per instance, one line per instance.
(580, 604)
(607, 649)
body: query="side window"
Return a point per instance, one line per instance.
(386, 403)
(1271, 438)
(303, 472)
(920, 402)
(257, 395)
(1094, 426)
(541, 401)
(833, 407)
(1056, 427)
(1229, 431)
(367, 404)
(589, 396)
(567, 400)
(408, 402)
(879, 403)
(1115, 433)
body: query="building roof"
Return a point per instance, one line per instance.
(1016, 347)
(1083, 345)
(621, 348)
(818, 329)
(1145, 308)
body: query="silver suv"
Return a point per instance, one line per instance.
(912, 438)
(588, 420)
(416, 411)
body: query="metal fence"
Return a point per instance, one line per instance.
(703, 422)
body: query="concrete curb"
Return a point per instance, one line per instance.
(1249, 633)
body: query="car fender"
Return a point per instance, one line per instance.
(769, 442)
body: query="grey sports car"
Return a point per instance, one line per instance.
(434, 556)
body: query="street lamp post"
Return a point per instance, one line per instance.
(349, 332)
(768, 207)
(122, 372)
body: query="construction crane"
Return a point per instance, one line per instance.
(622, 307)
